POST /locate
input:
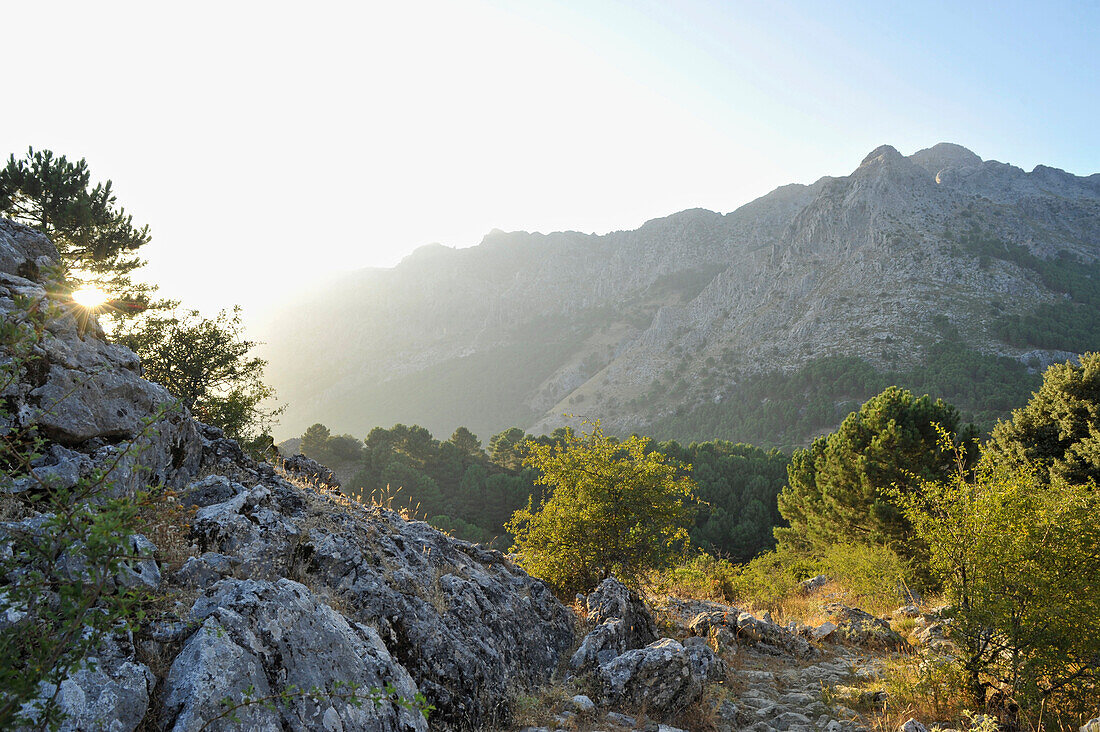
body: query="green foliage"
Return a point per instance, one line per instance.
(842, 488)
(772, 577)
(615, 508)
(870, 574)
(1058, 430)
(737, 486)
(59, 564)
(205, 363)
(96, 238)
(328, 449)
(1017, 556)
(702, 576)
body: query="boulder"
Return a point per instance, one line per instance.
(622, 623)
(109, 691)
(863, 629)
(264, 640)
(658, 677)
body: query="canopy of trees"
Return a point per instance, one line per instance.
(615, 508)
(841, 489)
(1059, 428)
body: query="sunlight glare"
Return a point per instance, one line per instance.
(89, 297)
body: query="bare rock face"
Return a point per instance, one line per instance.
(275, 637)
(110, 691)
(86, 394)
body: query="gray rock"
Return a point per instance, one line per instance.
(274, 636)
(658, 677)
(1093, 725)
(704, 663)
(823, 631)
(109, 691)
(912, 725)
(204, 570)
(142, 571)
(862, 628)
(622, 623)
(583, 704)
(210, 491)
(808, 586)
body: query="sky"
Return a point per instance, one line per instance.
(272, 146)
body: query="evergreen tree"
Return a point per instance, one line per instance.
(97, 239)
(1058, 431)
(842, 488)
(313, 441)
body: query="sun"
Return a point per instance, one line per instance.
(89, 297)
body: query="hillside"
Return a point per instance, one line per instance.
(938, 271)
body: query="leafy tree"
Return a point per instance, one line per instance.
(97, 239)
(615, 508)
(1017, 556)
(1059, 429)
(205, 363)
(841, 489)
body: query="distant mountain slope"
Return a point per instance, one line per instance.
(941, 271)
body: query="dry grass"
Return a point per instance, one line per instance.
(167, 523)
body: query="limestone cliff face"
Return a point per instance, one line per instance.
(834, 268)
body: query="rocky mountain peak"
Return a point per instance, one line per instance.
(945, 155)
(882, 154)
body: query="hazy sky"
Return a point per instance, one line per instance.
(271, 145)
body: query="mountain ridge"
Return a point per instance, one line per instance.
(633, 326)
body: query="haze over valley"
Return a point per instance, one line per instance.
(935, 270)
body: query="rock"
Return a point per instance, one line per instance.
(109, 691)
(469, 625)
(142, 571)
(908, 611)
(823, 631)
(862, 628)
(583, 704)
(704, 664)
(275, 636)
(622, 623)
(1093, 725)
(204, 570)
(210, 491)
(309, 470)
(912, 725)
(623, 720)
(658, 677)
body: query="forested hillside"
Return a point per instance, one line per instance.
(472, 492)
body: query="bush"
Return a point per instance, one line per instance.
(1018, 559)
(616, 509)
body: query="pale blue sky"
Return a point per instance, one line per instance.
(271, 145)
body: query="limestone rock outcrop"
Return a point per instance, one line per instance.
(298, 588)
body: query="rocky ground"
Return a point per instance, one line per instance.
(718, 669)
